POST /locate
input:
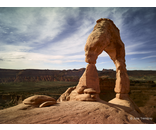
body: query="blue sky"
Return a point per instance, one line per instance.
(54, 37)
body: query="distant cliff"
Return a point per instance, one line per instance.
(10, 75)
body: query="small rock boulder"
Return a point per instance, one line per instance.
(89, 91)
(85, 97)
(66, 95)
(37, 100)
(47, 103)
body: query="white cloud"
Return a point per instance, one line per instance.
(26, 57)
(132, 68)
(132, 49)
(75, 57)
(138, 52)
(73, 44)
(133, 58)
(102, 63)
(16, 48)
(74, 61)
(29, 60)
(132, 46)
(148, 57)
(43, 23)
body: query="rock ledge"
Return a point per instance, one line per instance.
(73, 112)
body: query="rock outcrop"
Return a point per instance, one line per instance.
(106, 37)
(88, 87)
(73, 112)
(39, 101)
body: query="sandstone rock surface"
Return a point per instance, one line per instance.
(47, 103)
(89, 79)
(37, 100)
(72, 112)
(87, 89)
(66, 95)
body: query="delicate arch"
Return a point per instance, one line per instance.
(106, 37)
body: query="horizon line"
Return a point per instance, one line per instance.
(76, 69)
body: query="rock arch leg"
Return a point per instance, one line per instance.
(122, 80)
(122, 86)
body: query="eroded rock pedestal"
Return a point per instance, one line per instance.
(87, 89)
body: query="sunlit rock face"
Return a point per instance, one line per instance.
(104, 37)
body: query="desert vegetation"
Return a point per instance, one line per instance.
(13, 93)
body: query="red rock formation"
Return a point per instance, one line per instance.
(89, 80)
(106, 37)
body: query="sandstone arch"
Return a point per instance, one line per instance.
(104, 37)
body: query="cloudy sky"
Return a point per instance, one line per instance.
(54, 38)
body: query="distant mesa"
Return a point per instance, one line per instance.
(107, 70)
